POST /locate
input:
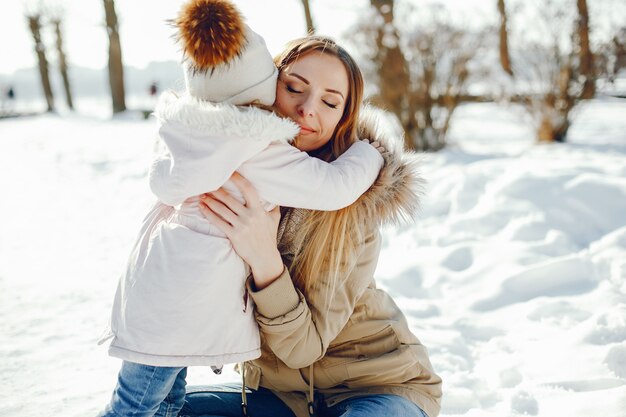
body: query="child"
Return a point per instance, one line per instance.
(181, 300)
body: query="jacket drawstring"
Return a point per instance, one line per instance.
(311, 405)
(244, 399)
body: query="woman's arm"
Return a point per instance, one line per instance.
(299, 330)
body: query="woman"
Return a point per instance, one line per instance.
(332, 343)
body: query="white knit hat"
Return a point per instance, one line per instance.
(225, 60)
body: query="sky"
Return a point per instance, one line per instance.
(145, 37)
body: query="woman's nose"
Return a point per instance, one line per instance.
(306, 108)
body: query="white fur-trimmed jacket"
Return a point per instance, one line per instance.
(181, 299)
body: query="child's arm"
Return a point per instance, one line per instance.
(286, 176)
(196, 162)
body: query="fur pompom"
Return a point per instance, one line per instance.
(212, 32)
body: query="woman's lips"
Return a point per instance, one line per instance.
(305, 130)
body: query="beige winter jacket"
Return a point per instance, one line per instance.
(361, 344)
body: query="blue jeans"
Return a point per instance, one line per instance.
(225, 401)
(147, 391)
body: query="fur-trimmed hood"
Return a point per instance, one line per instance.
(223, 119)
(394, 198)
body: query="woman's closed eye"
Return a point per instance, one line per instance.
(294, 90)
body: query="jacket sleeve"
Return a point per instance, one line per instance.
(299, 331)
(286, 176)
(195, 162)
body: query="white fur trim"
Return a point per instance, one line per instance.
(225, 119)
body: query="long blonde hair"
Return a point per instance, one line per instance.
(327, 240)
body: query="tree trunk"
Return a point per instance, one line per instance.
(116, 69)
(549, 132)
(619, 48)
(505, 60)
(393, 74)
(63, 64)
(34, 24)
(585, 55)
(310, 28)
(545, 131)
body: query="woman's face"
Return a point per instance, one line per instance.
(312, 91)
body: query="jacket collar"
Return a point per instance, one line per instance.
(394, 198)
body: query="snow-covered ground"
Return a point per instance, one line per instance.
(514, 275)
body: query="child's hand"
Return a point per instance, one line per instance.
(377, 145)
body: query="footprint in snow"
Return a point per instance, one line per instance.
(510, 378)
(587, 385)
(610, 328)
(524, 403)
(564, 276)
(616, 360)
(459, 259)
(561, 313)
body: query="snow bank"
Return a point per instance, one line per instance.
(514, 274)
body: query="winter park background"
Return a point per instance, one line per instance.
(513, 274)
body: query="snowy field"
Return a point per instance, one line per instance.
(514, 274)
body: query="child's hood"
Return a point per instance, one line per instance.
(219, 119)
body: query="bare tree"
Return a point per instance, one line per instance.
(609, 52)
(393, 74)
(586, 68)
(557, 90)
(34, 24)
(443, 56)
(619, 46)
(610, 58)
(116, 68)
(505, 60)
(310, 28)
(56, 22)
(616, 54)
(421, 72)
(554, 71)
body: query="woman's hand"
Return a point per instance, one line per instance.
(251, 230)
